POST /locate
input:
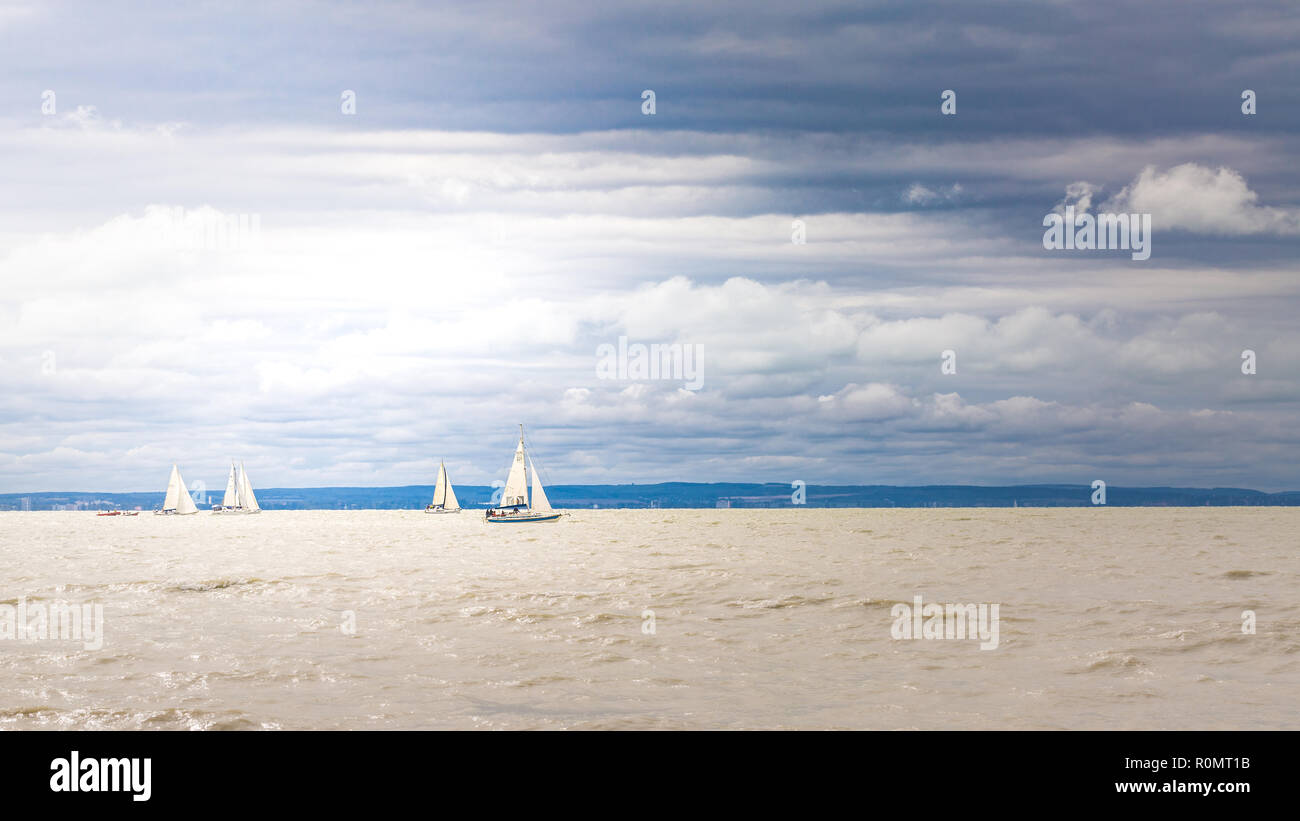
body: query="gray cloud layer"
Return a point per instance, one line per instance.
(446, 262)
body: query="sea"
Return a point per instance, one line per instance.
(1105, 618)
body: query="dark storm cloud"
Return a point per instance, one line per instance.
(1019, 68)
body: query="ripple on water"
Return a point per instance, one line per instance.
(763, 619)
(1245, 574)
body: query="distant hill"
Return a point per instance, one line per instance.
(690, 495)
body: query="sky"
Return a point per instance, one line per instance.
(458, 204)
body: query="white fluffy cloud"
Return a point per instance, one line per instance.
(413, 295)
(1204, 200)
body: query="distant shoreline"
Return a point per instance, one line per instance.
(688, 495)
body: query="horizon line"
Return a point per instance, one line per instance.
(704, 484)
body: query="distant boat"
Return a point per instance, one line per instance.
(109, 513)
(515, 507)
(178, 501)
(444, 496)
(239, 496)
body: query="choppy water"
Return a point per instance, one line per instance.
(1110, 618)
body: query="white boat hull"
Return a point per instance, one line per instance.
(432, 509)
(233, 511)
(520, 518)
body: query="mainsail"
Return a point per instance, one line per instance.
(231, 499)
(440, 489)
(246, 498)
(540, 503)
(516, 490)
(173, 490)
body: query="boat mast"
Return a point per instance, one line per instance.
(527, 500)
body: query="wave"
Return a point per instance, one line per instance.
(214, 584)
(1245, 574)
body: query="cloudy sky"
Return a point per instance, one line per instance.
(443, 264)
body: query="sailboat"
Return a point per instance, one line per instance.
(239, 496)
(444, 496)
(515, 506)
(178, 501)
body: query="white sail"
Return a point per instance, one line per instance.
(451, 502)
(516, 489)
(174, 490)
(232, 493)
(540, 503)
(440, 489)
(246, 498)
(184, 502)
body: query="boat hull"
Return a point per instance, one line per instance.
(173, 513)
(233, 511)
(442, 510)
(540, 517)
